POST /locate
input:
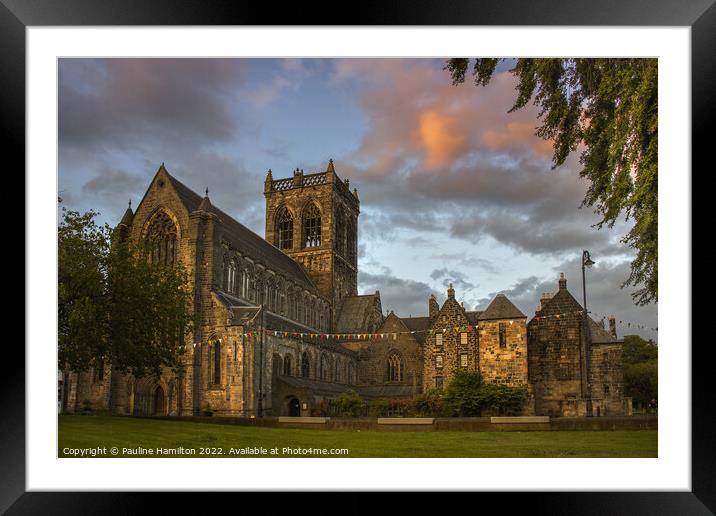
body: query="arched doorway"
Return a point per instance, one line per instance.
(294, 407)
(160, 405)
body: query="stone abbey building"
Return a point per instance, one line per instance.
(300, 282)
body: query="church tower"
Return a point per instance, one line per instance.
(313, 218)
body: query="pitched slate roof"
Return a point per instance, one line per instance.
(473, 317)
(564, 302)
(599, 335)
(358, 314)
(244, 239)
(418, 325)
(501, 308)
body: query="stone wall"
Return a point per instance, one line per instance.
(373, 357)
(458, 350)
(506, 364)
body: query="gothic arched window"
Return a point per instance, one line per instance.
(324, 367)
(162, 239)
(230, 278)
(351, 373)
(352, 241)
(284, 229)
(305, 365)
(395, 368)
(340, 244)
(312, 227)
(287, 365)
(215, 354)
(337, 373)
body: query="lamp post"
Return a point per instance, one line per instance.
(587, 262)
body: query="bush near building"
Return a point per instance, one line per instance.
(468, 396)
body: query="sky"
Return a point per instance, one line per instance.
(453, 188)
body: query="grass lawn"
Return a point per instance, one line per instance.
(85, 432)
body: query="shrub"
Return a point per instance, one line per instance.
(463, 394)
(468, 396)
(392, 407)
(348, 404)
(378, 408)
(430, 404)
(502, 400)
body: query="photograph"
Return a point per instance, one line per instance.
(357, 257)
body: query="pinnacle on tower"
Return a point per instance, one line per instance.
(205, 203)
(128, 215)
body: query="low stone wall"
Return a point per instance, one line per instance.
(453, 424)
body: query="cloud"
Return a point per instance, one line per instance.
(124, 102)
(442, 145)
(439, 158)
(452, 277)
(404, 296)
(467, 261)
(604, 295)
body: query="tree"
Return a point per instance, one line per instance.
(636, 350)
(114, 304)
(83, 249)
(641, 382)
(609, 108)
(640, 359)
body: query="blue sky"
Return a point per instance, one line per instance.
(452, 187)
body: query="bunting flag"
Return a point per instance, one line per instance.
(394, 335)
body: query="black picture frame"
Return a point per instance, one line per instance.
(17, 15)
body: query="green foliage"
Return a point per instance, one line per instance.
(468, 396)
(608, 107)
(113, 303)
(83, 249)
(430, 404)
(641, 382)
(502, 400)
(640, 358)
(379, 408)
(463, 395)
(348, 404)
(398, 407)
(636, 350)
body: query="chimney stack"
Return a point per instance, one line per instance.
(613, 326)
(451, 292)
(433, 307)
(562, 281)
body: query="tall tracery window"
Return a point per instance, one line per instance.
(312, 227)
(395, 368)
(215, 362)
(230, 278)
(340, 245)
(337, 371)
(284, 229)
(351, 241)
(162, 238)
(324, 367)
(287, 365)
(305, 365)
(243, 283)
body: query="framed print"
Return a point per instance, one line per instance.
(353, 241)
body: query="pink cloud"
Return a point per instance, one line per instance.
(418, 122)
(437, 136)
